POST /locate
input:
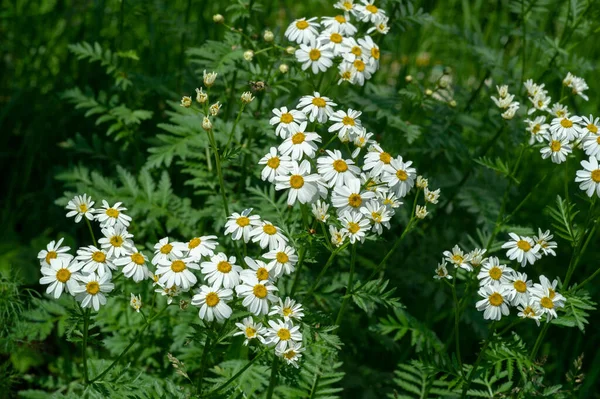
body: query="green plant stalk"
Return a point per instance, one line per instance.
(86, 324)
(348, 295)
(235, 376)
(298, 267)
(203, 361)
(213, 144)
(538, 341)
(456, 322)
(91, 231)
(237, 119)
(273, 379)
(581, 248)
(478, 361)
(327, 264)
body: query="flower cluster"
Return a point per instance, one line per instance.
(505, 101)
(364, 190)
(501, 286)
(358, 57)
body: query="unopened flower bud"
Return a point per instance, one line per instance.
(453, 103)
(290, 50)
(247, 97)
(186, 101)
(214, 109)
(248, 55)
(283, 68)
(268, 36)
(428, 92)
(206, 123)
(201, 97)
(218, 18)
(408, 78)
(209, 78)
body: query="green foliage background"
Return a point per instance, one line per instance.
(89, 103)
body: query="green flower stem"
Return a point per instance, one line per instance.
(213, 143)
(329, 263)
(338, 319)
(273, 379)
(237, 119)
(298, 267)
(203, 362)
(478, 361)
(86, 325)
(538, 341)
(582, 244)
(326, 237)
(456, 320)
(87, 221)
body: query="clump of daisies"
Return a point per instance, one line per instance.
(333, 41)
(351, 183)
(501, 286)
(505, 101)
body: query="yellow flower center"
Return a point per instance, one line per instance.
(113, 213)
(495, 273)
(536, 129)
(547, 303)
(353, 227)
(371, 8)
(496, 299)
(529, 312)
(166, 249)
(566, 123)
(282, 257)
(116, 241)
(319, 102)
(400, 174)
(284, 334)
(178, 266)
(340, 19)
(376, 216)
(457, 258)
(250, 332)
(598, 140)
(269, 229)
(356, 50)
(592, 128)
(83, 208)
(336, 38)
(51, 255)
(289, 355)
(551, 293)
(441, 272)
(346, 75)
(375, 53)
(555, 146)
(92, 287)
(520, 286)
(298, 138)
(359, 65)
(224, 266)
(302, 25)
(354, 200)
(262, 273)
(286, 118)
(273, 163)
(314, 54)
(340, 165)
(296, 181)
(137, 258)
(348, 5)
(63, 275)
(596, 175)
(524, 245)
(348, 121)
(260, 291)
(286, 311)
(194, 242)
(385, 157)
(212, 299)
(242, 221)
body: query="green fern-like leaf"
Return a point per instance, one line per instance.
(563, 214)
(415, 380)
(577, 305)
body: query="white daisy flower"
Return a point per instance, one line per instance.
(80, 206)
(282, 260)
(422, 182)
(109, 216)
(334, 40)
(251, 330)
(134, 266)
(212, 302)
(336, 170)
(458, 258)
(164, 251)
(90, 293)
(373, 183)
(362, 72)
(346, 73)
(53, 251)
(371, 50)
(116, 241)
(560, 111)
(389, 199)
(337, 236)
(378, 214)
(346, 124)
(319, 210)
(591, 145)
(221, 271)
(350, 197)
(169, 292)
(275, 164)
(95, 260)
(432, 196)
(178, 273)
(543, 240)
(566, 127)
(300, 143)
(538, 129)
(545, 296)
(288, 309)
(346, 5)
(285, 120)
(61, 275)
(316, 107)
(476, 257)
(368, 12)
(361, 140)
(590, 125)
(441, 271)
(303, 30)
(400, 177)
(256, 295)
(510, 111)
(421, 212)
(495, 302)
(518, 289)
(557, 150)
(532, 311)
(589, 177)
(540, 102)
(315, 56)
(240, 225)
(355, 226)
(523, 249)
(135, 302)
(282, 333)
(202, 246)
(268, 235)
(532, 88)
(340, 24)
(351, 50)
(578, 86)
(382, 27)
(302, 185)
(377, 160)
(292, 354)
(258, 268)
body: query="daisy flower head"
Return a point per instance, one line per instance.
(285, 120)
(422, 182)
(432, 196)
(257, 295)
(441, 271)
(591, 145)
(95, 260)
(300, 143)
(339, 23)
(350, 196)
(523, 249)
(346, 124)
(334, 40)
(61, 275)
(543, 240)
(373, 183)
(532, 88)
(80, 206)
(251, 330)
(302, 31)
(545, 296)
(90, 292)
(589, 177)
(540, 102)
(135, 302)
(458, 258)
(109, 216)
(239, 225)
(281, 333)
(164, 251)
(389, 199)
(368, 12)
(578, 86)
(170, 292)
(282, 260)
(505, 99)
(221, 271)
(316, 107)
(530, 311)
(590, 125)
(347, 6)
(351, 50)
(212, 302)
(319, 210)
(566, 127)
(518, 289)
(370, 50)
(510, 111)
(202, 246)
(382, 27)
(476, 257)
(346, 73)
(377, 160)
(355, 226)
(538, 128)
(268, 235)
(302, 185)
(559, 111)
(556, 149)
(400, 177)
(315, 56)
(53, 251)
(336, 170)
(378, 215)
(337, 236)
(258, 268)
(362, 139)
(421, 212)
(134, 266)
(495, 302)
(178, 273)
(362, 71)
(116, 241)
(292, 354)
(288, 309)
